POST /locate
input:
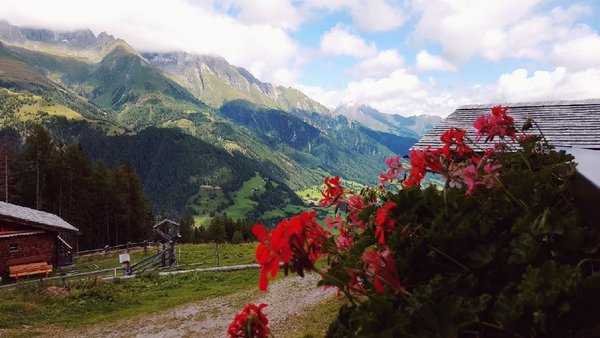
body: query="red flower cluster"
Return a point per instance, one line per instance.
(474, 178)
(380, 264)
(457, 161)
(454, 143)
(394, 170)
(333, 193)
(250, 323)
(420, 160)
(497, 124)
(418, 167)
(298, 241)
(356, 205)
(383, 221)
(344, 240)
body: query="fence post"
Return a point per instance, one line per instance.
(128, 246)
(145, 248)
(106, 250)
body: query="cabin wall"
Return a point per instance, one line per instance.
(42, 245)
(6, 226)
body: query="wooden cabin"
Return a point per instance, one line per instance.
(32, 236)
(573, 126)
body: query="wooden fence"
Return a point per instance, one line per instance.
(110, 249)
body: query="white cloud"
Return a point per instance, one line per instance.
(429, 62)
(462, 26)
(328, 98)
(159, 25)
(382, 64)
(340, 41)
(278, 13)
(398, 93)
(370, 15)
(558, 84)
(495, 29)
(579, 53)
(400, 82)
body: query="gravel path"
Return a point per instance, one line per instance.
(211, 317)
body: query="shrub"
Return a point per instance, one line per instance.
(499, 251)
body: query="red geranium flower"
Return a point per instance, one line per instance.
(497, 124)
(333, 193)
(356, 205)
(383, 222)
(298, 240)
(250, 323)
(380, 264)
(453, 139)
(418, 162)
(394, 169)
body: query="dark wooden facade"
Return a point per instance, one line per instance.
(28, 236)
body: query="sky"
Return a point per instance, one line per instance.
(404, 57)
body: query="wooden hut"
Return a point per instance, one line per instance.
(30, 236)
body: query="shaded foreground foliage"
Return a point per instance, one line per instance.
(502, 251)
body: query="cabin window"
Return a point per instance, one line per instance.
(13, 248)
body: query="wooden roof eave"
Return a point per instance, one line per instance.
(37, 225)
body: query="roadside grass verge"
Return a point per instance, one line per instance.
(93, 301)
(313, 321)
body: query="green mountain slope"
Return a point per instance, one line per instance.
(153, 107)
(214, 81)
(337, 146)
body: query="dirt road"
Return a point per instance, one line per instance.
(211, 317)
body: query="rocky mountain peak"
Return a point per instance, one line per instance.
(83, 39)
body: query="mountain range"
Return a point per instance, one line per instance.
(163, 111)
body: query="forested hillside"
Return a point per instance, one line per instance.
(106, 203)
(149, 109)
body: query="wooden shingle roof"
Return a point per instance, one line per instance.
(34, 218)
(564, 123)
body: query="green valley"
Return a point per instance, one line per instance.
(257, 198)
(187, 124)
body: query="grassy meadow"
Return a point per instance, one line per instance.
(189, 256)
(91, 300)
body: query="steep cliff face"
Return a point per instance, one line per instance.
(214, 81)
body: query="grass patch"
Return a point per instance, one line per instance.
(284, 212)
(206, 202)
(188, 256)
(93, 301)
(242, 203)
(313, 321)
(50, 109)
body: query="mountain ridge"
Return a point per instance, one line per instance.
(287, 136)
(413, 126)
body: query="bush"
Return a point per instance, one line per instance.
(500, 251)
(237, 237)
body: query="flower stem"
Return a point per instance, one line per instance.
(339, 283)
(464, 267)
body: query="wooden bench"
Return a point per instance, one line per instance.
(17, 271)
(28, 266)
